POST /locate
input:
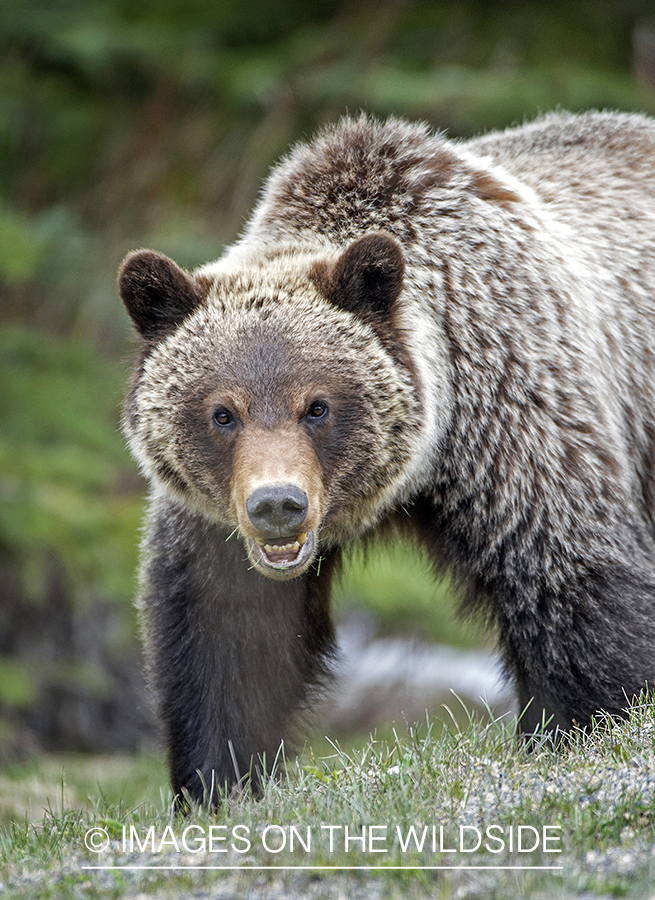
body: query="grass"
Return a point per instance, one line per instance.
(399, 809)
(54, 782)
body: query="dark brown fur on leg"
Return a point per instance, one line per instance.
(234, 656)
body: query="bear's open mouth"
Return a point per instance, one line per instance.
(282, 557)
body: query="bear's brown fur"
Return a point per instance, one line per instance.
(455, 338)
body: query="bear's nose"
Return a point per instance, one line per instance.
(277, 510)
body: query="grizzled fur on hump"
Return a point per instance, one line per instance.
(456, 339)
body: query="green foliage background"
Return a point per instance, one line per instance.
(154, 122)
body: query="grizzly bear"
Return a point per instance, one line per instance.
(448, 340)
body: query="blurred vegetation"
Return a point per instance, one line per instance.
(66, 478)
(53, 782)
(397, 586)
(153, 122)
(70, 509)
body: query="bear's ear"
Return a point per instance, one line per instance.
(366, 279)
(157, 294)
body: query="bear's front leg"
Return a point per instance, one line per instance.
(232, 656)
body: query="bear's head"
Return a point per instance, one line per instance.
(275, 395)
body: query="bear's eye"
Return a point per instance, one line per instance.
(317, 410)
(222, 417)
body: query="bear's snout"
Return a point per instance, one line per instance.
(277, 510)
(277, 499)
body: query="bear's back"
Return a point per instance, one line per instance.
(596, 170)
(594, 173)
